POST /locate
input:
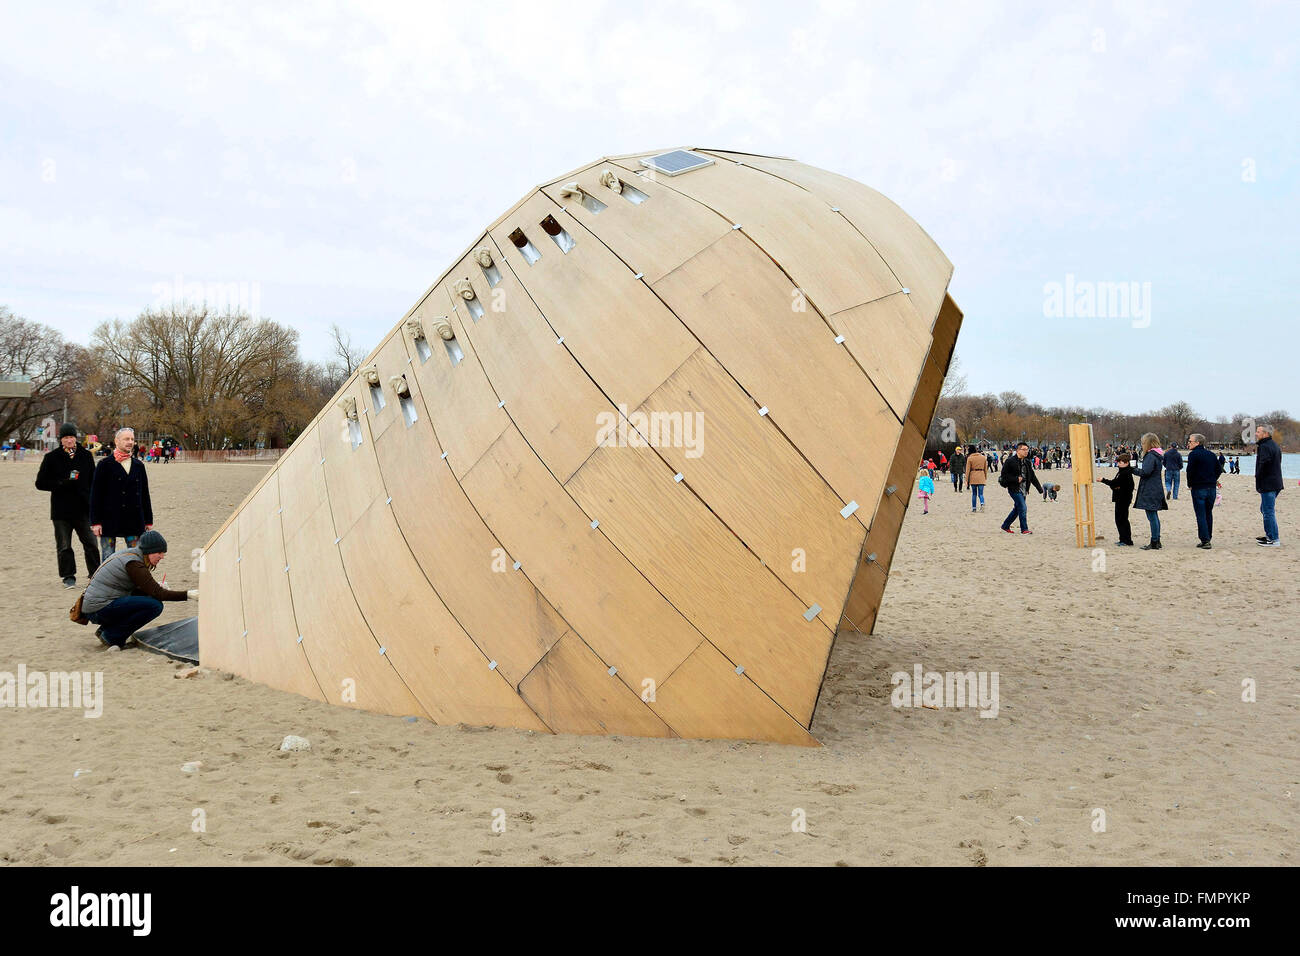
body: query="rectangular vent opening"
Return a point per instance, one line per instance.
(492, 274)
(526, 248)
(676, 162)
(558, 233)
(591, 203)
(408, 410)
(422, 349)
(354, 432)
(633, 195)
(475, 308)
(454, 350)
(377, 398)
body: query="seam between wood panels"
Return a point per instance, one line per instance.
(289, 584)
(343, 565)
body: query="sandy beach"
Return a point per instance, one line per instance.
(1120, 690)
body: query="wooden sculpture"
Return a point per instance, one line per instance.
(635, 458)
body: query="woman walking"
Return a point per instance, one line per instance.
(1150, 491)
(976, 475)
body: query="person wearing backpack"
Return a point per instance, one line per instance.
(1017, 476)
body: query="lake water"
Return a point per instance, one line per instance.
(1290, 465)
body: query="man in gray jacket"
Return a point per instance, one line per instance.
(123, 596)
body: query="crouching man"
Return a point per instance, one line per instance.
(123, 596)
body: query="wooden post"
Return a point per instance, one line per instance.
(1082, 451)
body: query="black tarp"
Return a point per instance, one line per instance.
(178, 640)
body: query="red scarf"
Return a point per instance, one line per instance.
(120, 456)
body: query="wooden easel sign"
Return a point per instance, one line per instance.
(1082, 451)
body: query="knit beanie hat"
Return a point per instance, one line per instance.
(67, 429)
(151, 542)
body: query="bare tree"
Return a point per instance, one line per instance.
(346, 356)
(954, 383)
(35, 352)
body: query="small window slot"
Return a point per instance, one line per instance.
(492, 274)
(526, 248)
(422, 349)
(591, 203)
(408, 409)
(454, 351)
(558, 233)
(354, 431)
(475, 308)
(377, 398)
(633, 195)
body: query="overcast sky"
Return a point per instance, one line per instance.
(335, 157)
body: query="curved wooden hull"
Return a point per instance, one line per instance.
(654, 450)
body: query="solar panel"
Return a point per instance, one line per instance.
(677, 162)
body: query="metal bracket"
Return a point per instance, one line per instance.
(812, 612)
(848, 509)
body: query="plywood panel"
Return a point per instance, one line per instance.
(447, 673)
(653, 237)
(706, 573)
(343, 653)
(887, 340)
(274, 656)
(603, 597)
(821, 252)
(921, 412)
(301, 477)
(221, 609)
(882, 539)
(616, 328)
(909, 251)
(460, 402)
(552, 401)
(470, 569)
(745, 470)
(740, 307)
(572, 690)
(352, 476)
(946, 328)
(705, 697)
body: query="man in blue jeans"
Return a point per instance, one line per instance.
(1203, 471)
(1173, 470)
(1268, 482)
(1017, 475)
(123, 596)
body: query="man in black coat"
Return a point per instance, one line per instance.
(1173, 471)
(1017, 475)
(1203, 471)
(119, 496)
(66, 473)
(1268, 482)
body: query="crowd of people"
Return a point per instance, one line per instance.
(100, 503)
(1148, 478)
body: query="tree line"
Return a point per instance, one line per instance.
(209, 379)
(1010, 416)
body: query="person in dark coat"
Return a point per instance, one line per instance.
(119, 497)
(1121, 494)
(1017, 475)
(1173, 471)
(1223, 463)
(1203, 471)
(1150, 495)
(1268, 482)
(958, 468)
(66, 473)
